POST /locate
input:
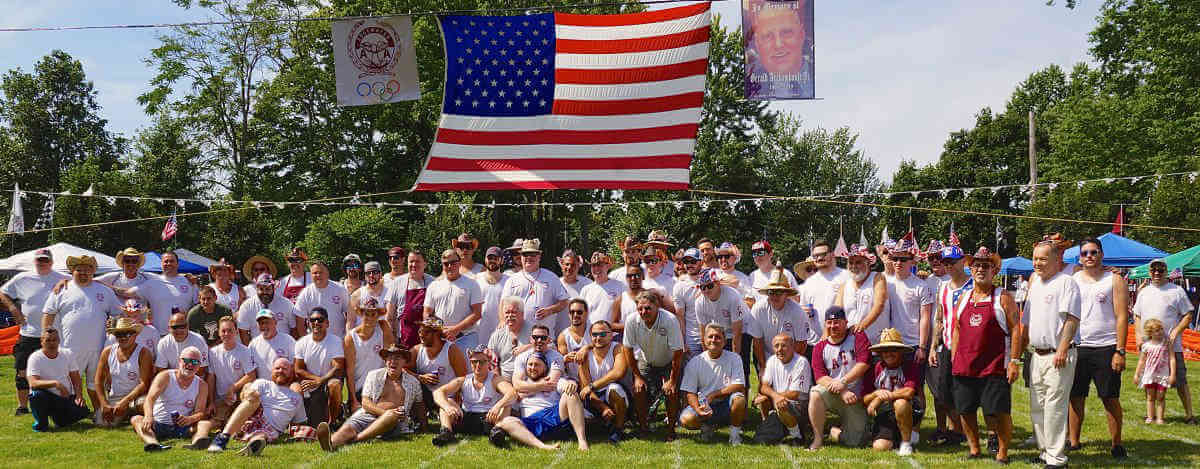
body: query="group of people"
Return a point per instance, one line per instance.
(506, 348)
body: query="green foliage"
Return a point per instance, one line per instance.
(367, 231)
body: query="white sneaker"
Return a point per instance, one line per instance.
(735, 439)
(916, 437)
(905, 449)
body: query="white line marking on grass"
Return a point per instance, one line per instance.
(562, 454)
(317, 462)
(449, 451)
(1161, 433)
(678, 464)
(791, 457)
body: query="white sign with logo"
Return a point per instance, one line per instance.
(375, 60)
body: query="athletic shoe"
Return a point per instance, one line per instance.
(21, 411)
(444, 438)
(497, 438)
(199, 444)
(614, 437)
(939, 437)
(735, 439)
(218, 443)
(255, 448)
(905, 449)
(154, 447)
(323, 437)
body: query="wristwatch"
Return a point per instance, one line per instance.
(1121, 352)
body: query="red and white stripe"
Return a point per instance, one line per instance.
(628, 94)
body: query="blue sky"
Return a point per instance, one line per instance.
(901, 74)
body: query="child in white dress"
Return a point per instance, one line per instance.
(1155, 370)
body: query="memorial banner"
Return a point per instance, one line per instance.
(779, 49)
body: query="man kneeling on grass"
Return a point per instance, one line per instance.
(268, 410)
(715, 388)
(486, 399)
(175, 406)
(894, 401)
(388, 395)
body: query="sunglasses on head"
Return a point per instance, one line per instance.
(178, 326)
(539, 337)
(190, 361)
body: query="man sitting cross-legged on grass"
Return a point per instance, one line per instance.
(268, 410)
(893, 401)
(486, 400)
(715, 388)
(175, 405)
(388, 395)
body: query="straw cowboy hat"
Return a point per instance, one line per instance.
(658, 238)
(985, 254)
(221, 264)
(800, 269)
(73, 261)
(248, 266)
(532, 246)
(465, 238)
(889, 339)
(125, 325)
(131, 252)
(629, 243)
(778, 283)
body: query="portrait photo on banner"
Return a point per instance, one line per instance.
(779, 49)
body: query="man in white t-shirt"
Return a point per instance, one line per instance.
(764, 258)
(457, 301)
(911, 304)
(166, 353)
(1051, 328)
(320, 364)
(603, 291)
(282, 310)
(57, 388)
(181, 290)
(654, 350)
(783, 393)
(25, 296)
(631, 254)
(715, 388)
(80, 311)
(1167, 302)
(232, 367)
(545, 298)
(465, 246)
(329, 295)
(270, 344)
(491, 285)
(722, 305)
(684, 297)
(821, 288)
(131, 281)
(266, 413)
(776, 314)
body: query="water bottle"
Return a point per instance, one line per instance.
(174, 418)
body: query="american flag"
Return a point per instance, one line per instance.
(566, 101)
(953, 236)
(170, 228)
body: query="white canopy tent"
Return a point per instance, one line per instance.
(25, 261)
(190, 256)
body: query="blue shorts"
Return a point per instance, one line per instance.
(720, 411)
(165, 431)
(546, 422)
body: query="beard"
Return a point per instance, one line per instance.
(266, 299)
(492, 266)
(858, 277)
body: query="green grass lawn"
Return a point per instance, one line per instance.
(1171, 445)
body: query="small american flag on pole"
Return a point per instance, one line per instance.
(566, 101)
(170, 228)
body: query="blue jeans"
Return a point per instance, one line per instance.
(46, 406)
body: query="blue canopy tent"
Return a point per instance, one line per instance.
(154, 264)
(1119, 251)
(1016, 266)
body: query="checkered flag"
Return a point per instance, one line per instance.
(45, 221)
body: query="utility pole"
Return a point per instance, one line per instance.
(1032, 158)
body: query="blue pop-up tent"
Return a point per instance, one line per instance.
(1119, 251)
(154, 264)
(1016, 266)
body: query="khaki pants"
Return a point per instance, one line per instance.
(854, 417)
(1049, 399)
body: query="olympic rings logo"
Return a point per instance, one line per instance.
(384, 90)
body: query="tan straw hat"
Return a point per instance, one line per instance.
(889, 339)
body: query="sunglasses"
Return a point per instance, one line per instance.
(689, 261)
(539, 337)
(1089, 253)
(178, 326)
(315, 320)
(600, 334)
(724, 256)
(352, 267)
(395, 257)
(651, 260)
(901, 259)
(123, 335)
(465, 246)
(810, 269)
(758, 253)
(190, 361)
(633, 275)
(982, 265)
(42, 260)
(1157, 269)
(707, 287)
(294, 260)
(577, 311)
(480, 361)
(450, 263)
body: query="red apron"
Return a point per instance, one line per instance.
(411, 316)
(982, 338)
(292, 291)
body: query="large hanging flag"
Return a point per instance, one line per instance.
(375, 61)
(171, 227)
(1119, 225)
(566, 101)
(16, 219)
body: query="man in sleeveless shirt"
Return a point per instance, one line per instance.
(175, 405)
(946, 302)
(601, 374)
(123, 375)
(982, 343)
(1104, 299)
(484, 399)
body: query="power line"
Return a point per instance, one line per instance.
(339, 18)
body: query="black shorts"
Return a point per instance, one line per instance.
(886, 428)
(25, 347)
(1095, 365)
(939, 379)
(993, 393)
(473, 423)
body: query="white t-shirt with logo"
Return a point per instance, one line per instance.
(726, 310)
(905, 300)
(791, 376)
(318, 356)
(539, 290)
(283, 310)
(489, 318)
(31, 291)
(1167, 303)
(705, 375)
(57, 369)
(81, 313)
(166, 353)
(1047, 306)
(767, 322)
(334, 298)
(281, 406)
(600, 298)
(451, 300)
(685, 295)
(228, 366)
(148, 287)
(266, 351)
(180, 293)
(760, 279)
